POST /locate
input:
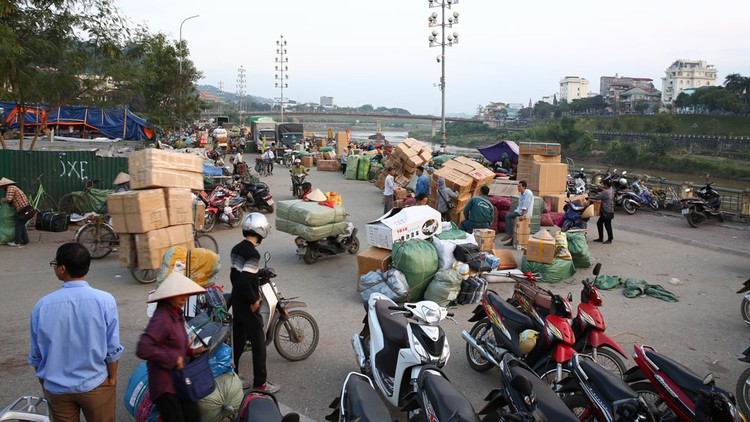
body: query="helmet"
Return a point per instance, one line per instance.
(255, 223)
(297, 161)
(623, 182)
(527, 340)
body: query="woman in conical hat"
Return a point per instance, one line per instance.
(165, 347)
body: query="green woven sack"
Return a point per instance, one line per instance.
(352, 164)
(418, 260)
(7, 223)
(558, 270)
(444, 287)
(363, 168)
(325, 149)
(579, 249)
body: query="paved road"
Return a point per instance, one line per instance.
(704, 330)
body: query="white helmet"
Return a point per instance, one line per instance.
(297, 161)
(255, 223)
(623, 182)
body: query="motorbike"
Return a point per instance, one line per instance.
(402, 348)
(743, 384)
(588, 324)
(577, 183)
(311, 250)
(572, 219)
(259, 406)
(294, 332)
(358, 402)
(674, 392)
(594, 393)
(745, 308)
(223, 205)
(704, 205)
(297, 181)
(258, 195)
(645, 196)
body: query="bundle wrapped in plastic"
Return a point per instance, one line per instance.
(310, 233)
(221, 361)
(352, 165)
(418, 260)
(309, 213)
(225, 401)
(391, 283)
(561, 246)
(558, 270)
(204, 264)
(579, 249)
(444, 287)
(445, 245)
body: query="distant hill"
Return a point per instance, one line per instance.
(230, 96)
(460, 115)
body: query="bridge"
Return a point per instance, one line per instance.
(289, 113)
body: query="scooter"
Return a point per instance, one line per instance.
(258, 195)
(572, 219)
(743, 384)
(259, 406)
(745, 308)
(225, 206)
(358, 402)
(577, 182)
(702, 207)
(402, 348)
(297, 181)
(311, 250)
(676, 392)
(645, 196)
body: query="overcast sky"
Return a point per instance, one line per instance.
(376, 52)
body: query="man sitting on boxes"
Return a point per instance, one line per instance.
(479, 212)
(524, 210)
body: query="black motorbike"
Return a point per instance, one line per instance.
(258, 196)
(743, 384)
(311, 250)
(573, 218)
(704, 205)
(358, 402)
(297, 181)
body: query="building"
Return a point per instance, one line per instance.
(326, 102)
(684, 74)
(573, 88)
(611, 86)
(549, 99)
(628, 99)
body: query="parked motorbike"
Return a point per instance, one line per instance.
(258, 196)
(594, 393)
(259, 406)
(311, 250)
(223, 205)
(704, 205)
(358, 402)
(743, 384)
(297, 181)
(745, 308)
(573, 220)
(675, 392)
(645, 196)
(577, 183)
(402, 348)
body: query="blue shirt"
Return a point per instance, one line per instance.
(423, 185)
(526, 202)
(75, 333)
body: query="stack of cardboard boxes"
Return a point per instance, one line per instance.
(539, 164)
(158, 213)
(465, 177)
(405, 158)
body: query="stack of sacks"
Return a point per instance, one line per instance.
(310, 220)
(465, 177)
(502, 208)
(158, 213)
(547, 217)
(405, 158)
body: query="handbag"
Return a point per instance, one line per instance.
(195, 380)
(26, 213)
(448, 203)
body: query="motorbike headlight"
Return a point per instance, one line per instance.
(445, 355)
(431, 315)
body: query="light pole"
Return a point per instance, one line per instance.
(180, 75)
(281, 69)
(241, 89)
(442, 43)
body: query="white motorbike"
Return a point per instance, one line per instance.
(402, 348)
(745, 309)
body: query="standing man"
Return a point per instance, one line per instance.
(423, 184)
(607, 212)
(75, 342)
(479, 212)
(246, 298)
(344, 158)
(389, 190)
(24, 211)
(525, 209)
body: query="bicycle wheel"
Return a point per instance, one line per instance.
(206, 241)
(98, 239)
(297, 337)
(70, 204)
(45, 203)
(145, 276)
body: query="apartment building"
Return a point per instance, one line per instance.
(684, 74)
(573, 88)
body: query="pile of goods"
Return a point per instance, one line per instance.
(465, 177)
(311, 221)
(405, 159)
(158, 213)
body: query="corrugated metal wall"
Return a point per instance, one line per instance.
(63, 171)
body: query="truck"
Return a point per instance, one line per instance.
(261, 127)
(290, 134)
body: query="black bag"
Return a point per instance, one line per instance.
(52, 222)
(26, 213)
(470, 254)
(471, 291)
(194, 381)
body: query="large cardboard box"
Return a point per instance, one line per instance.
(141, 222)
(165, 178)
(138, 211)
(127, 245)
(482, 177)
(148, 159)
(557, 201)
(417, 222)
(522, 226)
(520, 241)
(307, 161)
(503, 187)
(199, 215)
(485, 239)
(372, 259)
(538, 250)
(454, 179)
(179, 206)
(538, 148)
(400, 193)
(328, 165)
(507, 261)
(342, 141)
(549, 178)
(150, 247)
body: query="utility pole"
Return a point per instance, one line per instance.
(281, 69)
(442, 43)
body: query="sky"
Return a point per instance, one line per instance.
(377, 52)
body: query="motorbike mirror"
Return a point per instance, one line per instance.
(570, 297)
(708, 379)
(624, 173)
(267, 256)
(522, 385)
(597, 268)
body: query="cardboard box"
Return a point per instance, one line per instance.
(134, 202)
(520, 241)
(400, 193)
(127, 245)
(179, 206)
(142, 222)
(307, 161)
(522, 226)
(165, 178)
(503, 187)
(538, 250)
(507, 261)
(549, 177)
(199, 216)
(401, 181)
(417, 222)
(149, 159)
(454, 179)
(380, 181)
(150, 247)
(482, 177)
(538, 148)
(557, 201)
(372, 259)
(485, 239)
(328, 165)
(398, 203)
(342, 141)
(425, 155)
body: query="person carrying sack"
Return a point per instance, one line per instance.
(607, 197)
(24, 210)
(165, 347)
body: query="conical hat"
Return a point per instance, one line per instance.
(122, 177)
(5, 182)
(316, 196)
(543, 234)
(175, 284)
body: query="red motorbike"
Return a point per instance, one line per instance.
(223, 205)
(677, 393)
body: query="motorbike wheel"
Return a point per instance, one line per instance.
(745, 310)
(743, 392)
(297, 337)
(608, 359)
(354, 247)
(653, 203)
(311, 256)
(694, 218)
(580, 406)
(481, 330)
(651, 396)
(629, 206)
(720, 217)
(268, 208)
(239, 215)
(548, 374)
(98, 239)
(209, 221)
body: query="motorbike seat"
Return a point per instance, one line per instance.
(394, 326)
(446, 400)
(612, 387)
(235, 201)
(691, 383)
(509, 312)
(262, 408)
(363, 403)
(546, 399)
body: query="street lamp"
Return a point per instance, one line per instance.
(180, 75)
(442, 42)
(241, 90)
(281, 69)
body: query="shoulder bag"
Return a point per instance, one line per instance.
(195, 380)
(26, 213)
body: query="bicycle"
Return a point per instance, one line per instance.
(87, 200)
(264, 167)
(666, 198)
(41, 200)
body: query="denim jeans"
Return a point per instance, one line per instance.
(509, 222)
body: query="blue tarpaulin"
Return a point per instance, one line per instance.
(495, 152)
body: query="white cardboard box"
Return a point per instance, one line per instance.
(401, 224)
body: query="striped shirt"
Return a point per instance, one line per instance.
(245, 261)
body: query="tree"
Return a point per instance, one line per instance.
(665, 123)
(640, 107)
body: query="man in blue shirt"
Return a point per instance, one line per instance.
(75, 342)
(524, 210)
(423, 184)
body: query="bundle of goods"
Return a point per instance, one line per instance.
(154, 168)
(310, 220)
(405, 158)
(470, 254)
(202, 265)
(363, 167)
(418, 260)
(444, 287)
(561, 267)
(398, 225)
(445, 244)
(541, 247)
(579, 249)
(463, 176)
(392, 283)
(502, 208)
(328, 165)
(352, 164)
(471, 290)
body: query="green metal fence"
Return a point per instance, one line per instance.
(62, 171)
